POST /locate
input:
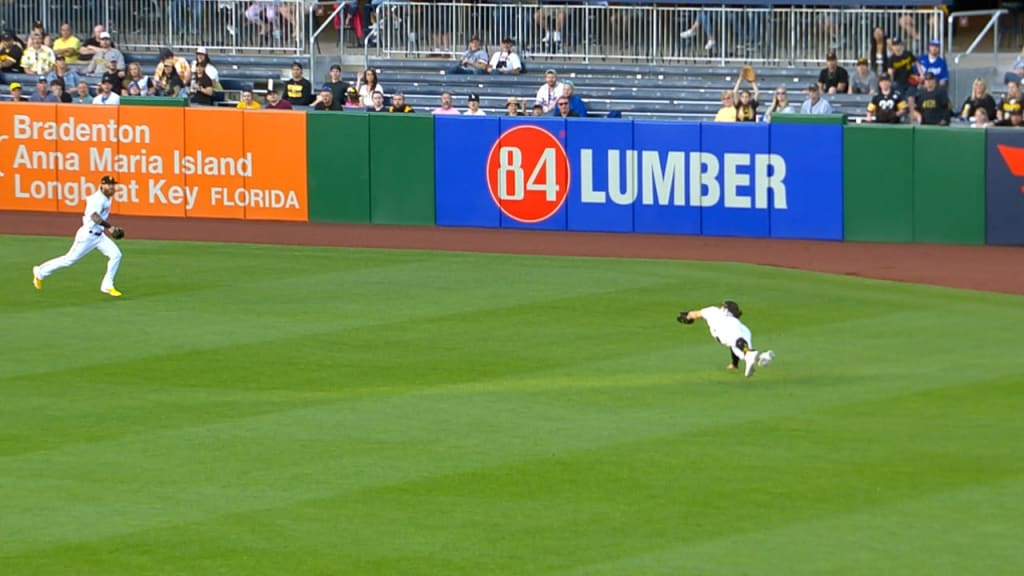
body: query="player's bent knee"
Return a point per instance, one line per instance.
(742, 344)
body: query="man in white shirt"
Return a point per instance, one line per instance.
(505, 61)
(89, 237)
(106, 94)
(473, 103)
(815, 104)
(726, 328)
(549, 92)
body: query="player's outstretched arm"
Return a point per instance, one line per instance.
(688, 316)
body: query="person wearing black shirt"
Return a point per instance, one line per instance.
(338, 87)
(202, 86)
(901, 68)
(979, 98)
(10, 54)
(297, 90)
(933, 105)
(325, 100)
(888, 106)
(1013, 119)
(833, 79)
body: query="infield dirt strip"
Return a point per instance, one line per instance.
(991, 268)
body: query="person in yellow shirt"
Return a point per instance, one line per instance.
(67, 45)
(728, 111)
(247, 101)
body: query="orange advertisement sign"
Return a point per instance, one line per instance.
(196, 162)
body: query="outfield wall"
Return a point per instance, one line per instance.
(809, 178)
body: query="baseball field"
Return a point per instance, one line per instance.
(258, 409)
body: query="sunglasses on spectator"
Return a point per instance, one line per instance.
(563, 103)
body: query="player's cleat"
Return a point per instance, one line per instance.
(750, 358)
(36, 280)
(765, 358)
(112, 291)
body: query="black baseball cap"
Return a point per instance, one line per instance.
(929, 75)
(885, 77)
(108, 179)
(109, 78)
(474, 97)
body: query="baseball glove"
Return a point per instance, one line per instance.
(684, 317)
(117, 232)
(748, 74)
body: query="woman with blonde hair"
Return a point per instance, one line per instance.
(979, 98)
(780, 104)
(727, 113)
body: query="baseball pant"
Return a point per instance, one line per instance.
(86, 241)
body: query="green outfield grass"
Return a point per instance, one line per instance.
(257, 410)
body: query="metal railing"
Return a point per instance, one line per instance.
(991, 25)
(651, 34)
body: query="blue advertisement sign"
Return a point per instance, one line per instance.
(604, 181)
(1004, 187)
(807, 199)
(735, 168)
(461, 148)
(667, 202)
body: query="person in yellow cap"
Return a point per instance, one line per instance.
(92, 235)
(16, 94)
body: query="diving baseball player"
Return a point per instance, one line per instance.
(91, 235)
(725, 326)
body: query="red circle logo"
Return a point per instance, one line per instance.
(528, 174)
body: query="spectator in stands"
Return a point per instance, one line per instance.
(863, 80)
(37, 58)
(746, 107)
(106, 53)
(42, 93)
(446, 107)
(81, 95)
(172, 74)
(259, 13)
(325, 101)
(115, 78)
(366, 85)
(92, 45)
(352, 99)
(211, 70)
(701, 22)
(933, 105)
(398, 104)
(538, 110)
(512, 107)
(901, 69)
(505, 61)
(780, 104)
(67, 44)
(575, 102)
(932, 62)
(378, 103)
(1015, 120)
(275, 102)
(1016, 73)
(246, 101)
(1010, 102)
(473, 61)
(550, 19)
(57, 91)
(16, 95)
(879, 51)
(297, 90)
(727, 113)
(62, 71)
(980, 119)
(549, 92)
(338, 87)
(10, 53)
(888, 106)
(473, 106)
(564, 109)
(979, 98)
(202, 86)
(815, 104)
(136, 83)
(106, 95)
(833, 78)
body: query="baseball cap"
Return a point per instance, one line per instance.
(551, 71)
(325, 88)
(15, 86)
(934, 42)
(512, 100)
(351, 90)
(108, 78)
(862, 60)
(929, 75)
(885, 77)
(831, 56)
(201, 50)
(166, 53)
(104, 35)
(474, 98)
(569, 83)
(813, 87)
(41, 80)
(896, 40)
(108, 179)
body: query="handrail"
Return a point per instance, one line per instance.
(992, 22)
(374, 32)
(316, 34)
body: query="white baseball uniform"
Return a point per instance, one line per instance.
(90, 236)
(726, 328)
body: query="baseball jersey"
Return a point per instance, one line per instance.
(902, 67)
(886, 107)
(725, 327)
(1009, 105)
(96, 203)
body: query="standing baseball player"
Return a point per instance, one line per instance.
(725, 326)
(91, 235)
